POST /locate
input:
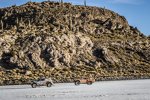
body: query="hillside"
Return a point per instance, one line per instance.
(65, 41)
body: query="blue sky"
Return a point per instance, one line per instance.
(137, 12)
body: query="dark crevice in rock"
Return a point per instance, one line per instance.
(99, 54)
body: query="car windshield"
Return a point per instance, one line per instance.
(41, 79)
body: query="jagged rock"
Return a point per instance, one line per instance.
(64, 41)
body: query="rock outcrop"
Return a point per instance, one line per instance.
(64, 41)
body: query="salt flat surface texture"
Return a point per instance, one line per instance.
(106, 90)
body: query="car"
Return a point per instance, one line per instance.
(88, 81)
(42, 82)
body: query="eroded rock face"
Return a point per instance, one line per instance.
(64, 41)
(54, 51)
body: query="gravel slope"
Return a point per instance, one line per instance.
(106, 90)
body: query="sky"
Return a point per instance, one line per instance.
(137, 12)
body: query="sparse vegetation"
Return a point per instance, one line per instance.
(44, 39)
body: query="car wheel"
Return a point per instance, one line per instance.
(77, 82)
(89, 83)
(49, 84)
(33, 85)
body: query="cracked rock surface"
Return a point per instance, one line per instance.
(65, 41)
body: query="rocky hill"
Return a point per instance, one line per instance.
(64, 41)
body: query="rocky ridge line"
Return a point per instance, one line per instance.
(65, 41)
